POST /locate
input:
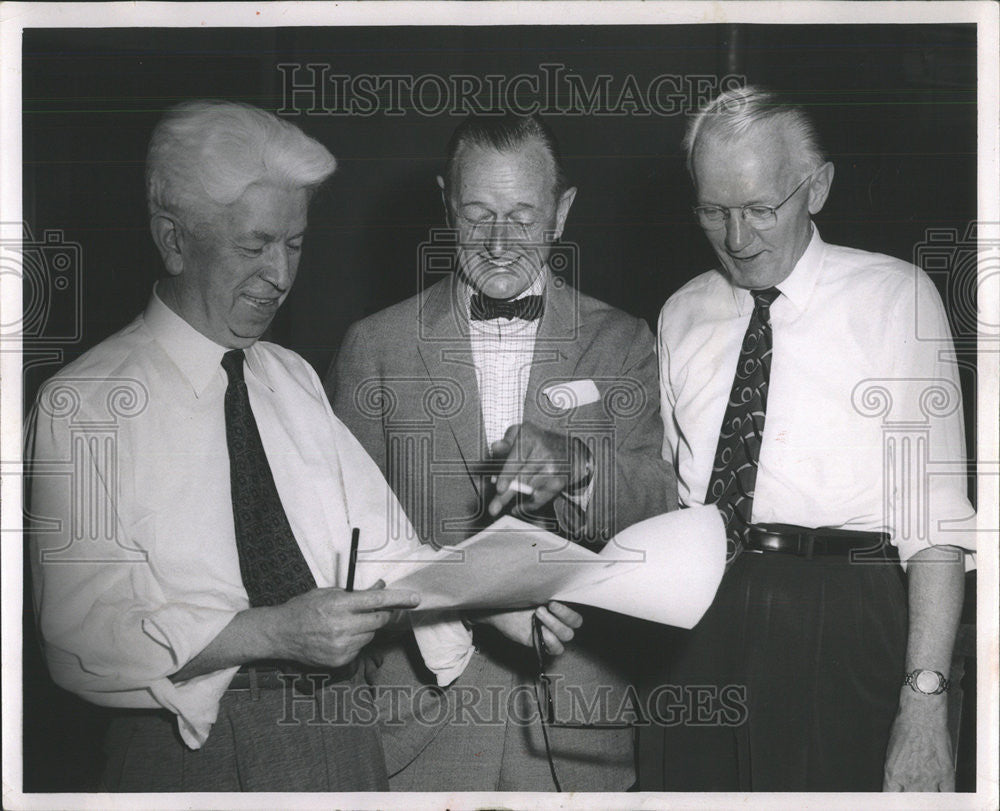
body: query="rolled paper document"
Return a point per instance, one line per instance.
(665, 569)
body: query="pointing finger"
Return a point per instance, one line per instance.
(362, 601)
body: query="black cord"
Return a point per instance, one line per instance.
(541, 683)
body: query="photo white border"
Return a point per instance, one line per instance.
(15, 17)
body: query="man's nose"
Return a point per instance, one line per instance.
(738, 233)
(280, 267)
(497, 238)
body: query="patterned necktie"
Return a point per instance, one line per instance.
(271, 562)
(734, 472)
(484, 308)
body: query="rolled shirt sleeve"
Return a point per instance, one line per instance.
(924, 427)
(109, 632)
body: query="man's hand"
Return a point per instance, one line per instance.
(540, 463)
(325, 627)
(919, 757)
(558, 625)
(329, 627)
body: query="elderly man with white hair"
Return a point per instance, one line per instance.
(194, 573)
(768, 368)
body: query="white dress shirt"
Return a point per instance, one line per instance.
(502, 352)
(134, 554)
(864, 416)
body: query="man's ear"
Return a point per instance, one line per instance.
(168, 237)
(819, 187)
(563, 206)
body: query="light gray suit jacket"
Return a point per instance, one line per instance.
(404, 382)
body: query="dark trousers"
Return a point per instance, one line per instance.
(275, 740)
(789, 683)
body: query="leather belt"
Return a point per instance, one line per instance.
(271, 675)
(807, 543)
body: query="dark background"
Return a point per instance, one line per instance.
(896, 105)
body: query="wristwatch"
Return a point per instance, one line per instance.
(928, 682)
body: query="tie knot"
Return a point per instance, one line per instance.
(232, 362)
(765, 298)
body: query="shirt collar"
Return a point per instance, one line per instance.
(797, 288)
(198, 358)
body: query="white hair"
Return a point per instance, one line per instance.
(740, 111)
(205, 153)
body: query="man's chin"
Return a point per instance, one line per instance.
(244, 335)
(752, 278)
(501, 283)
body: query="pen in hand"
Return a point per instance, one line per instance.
(352, 561)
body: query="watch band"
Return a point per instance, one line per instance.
(912, 677)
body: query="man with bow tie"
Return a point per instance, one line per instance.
(502, 388)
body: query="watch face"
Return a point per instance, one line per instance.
(928, 681)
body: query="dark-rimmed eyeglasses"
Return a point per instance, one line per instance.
(546, 708)
(761, 217)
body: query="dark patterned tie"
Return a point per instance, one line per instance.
(734, 472)
(271, 562)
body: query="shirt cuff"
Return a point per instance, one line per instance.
(445, 644)
(185, 631)
(195, 703)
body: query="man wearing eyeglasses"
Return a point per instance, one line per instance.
(771, 366)
(501, 388)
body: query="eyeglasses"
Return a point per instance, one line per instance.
(712, 218)
(546, 707)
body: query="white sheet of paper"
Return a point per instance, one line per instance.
(511, 564)
(664, 569)
(682, 557)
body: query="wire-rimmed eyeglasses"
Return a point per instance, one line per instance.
(761, 217)
(483, 226)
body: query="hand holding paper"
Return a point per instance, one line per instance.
(559, 623)
(665, 569)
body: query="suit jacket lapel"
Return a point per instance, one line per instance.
(557, 352)
(446, 353)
